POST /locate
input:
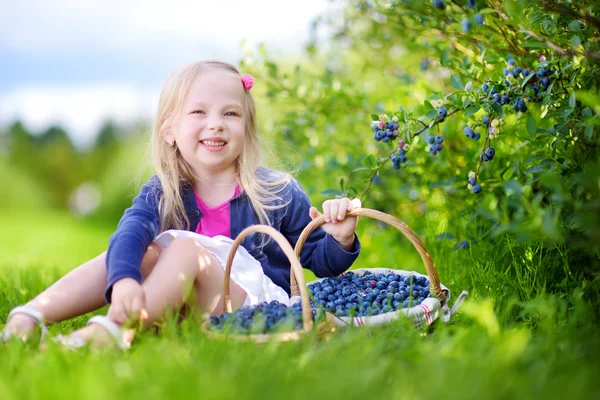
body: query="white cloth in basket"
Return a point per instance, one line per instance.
(246, 271)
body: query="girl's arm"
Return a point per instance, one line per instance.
(321, 253)
(136, 230)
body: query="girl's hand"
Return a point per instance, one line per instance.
(336, 224)
(128, 302)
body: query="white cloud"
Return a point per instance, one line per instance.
(171, 32)
(117, 25)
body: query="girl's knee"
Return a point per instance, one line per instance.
(186, 248)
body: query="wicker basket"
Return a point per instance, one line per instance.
(301, 290)
(423, 313)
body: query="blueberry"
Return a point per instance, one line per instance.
(484, 87)
(486, 121)
(477, 136)
(517, 71)
(490, 153)
(466, 25)
(511, 62)
(439, 147)
(472, 181)
(479, 19)
(442, 112)
(381, 285)
(471, 3)
(440, 4)
(439, 139)
(469, 132)
(497, 98)
(505, 100)
(476, 188)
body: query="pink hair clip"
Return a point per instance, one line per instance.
(247, 81)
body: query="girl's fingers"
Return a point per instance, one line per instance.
(327, 210)
(313, 212)
(117, 313)
(345, 206)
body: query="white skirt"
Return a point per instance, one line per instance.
(246, 271)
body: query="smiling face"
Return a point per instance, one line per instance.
(210, 134)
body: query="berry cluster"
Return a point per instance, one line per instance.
(471, 134)
(435, 144)
(399, 157)
(466, 22)
(369, 294)
(385, 129)
(488, 155)
(473, 185)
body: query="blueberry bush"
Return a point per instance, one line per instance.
(477, 119)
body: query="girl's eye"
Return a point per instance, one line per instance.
(198, 112)
(231, 114)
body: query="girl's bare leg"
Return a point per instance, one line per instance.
(79, 292)
(183, 265)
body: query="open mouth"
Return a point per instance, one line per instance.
(213, 143)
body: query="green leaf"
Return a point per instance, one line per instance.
(431, 114)
(375, 117)
(456, 82)
(534, 44)
(512, 188)
(576, 41)
(471, 110)
(589, 131)
(572, 100)
(574, 25)
(508, 174)
(427, 105)
(512, 8)
(531, 126)
(527, 78)
(497, 108)
(370, 162)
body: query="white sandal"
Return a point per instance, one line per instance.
(74, 342)
(36, 316)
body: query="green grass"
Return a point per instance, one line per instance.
(511, 339)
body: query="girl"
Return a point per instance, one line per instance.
(208, 187)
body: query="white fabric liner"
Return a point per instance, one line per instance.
(246, 271)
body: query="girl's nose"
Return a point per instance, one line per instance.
(215, 123)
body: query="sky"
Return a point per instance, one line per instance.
(77, 63)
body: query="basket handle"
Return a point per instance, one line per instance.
(388, 219)
(295, 266)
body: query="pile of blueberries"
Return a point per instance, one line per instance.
(266, 317)
(369, 294)
(349, 294)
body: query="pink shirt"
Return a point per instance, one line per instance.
(215, 220)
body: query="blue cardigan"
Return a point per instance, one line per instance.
(141, 223)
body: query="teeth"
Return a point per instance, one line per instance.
(211, 143)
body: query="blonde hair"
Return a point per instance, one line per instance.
(172, 169)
